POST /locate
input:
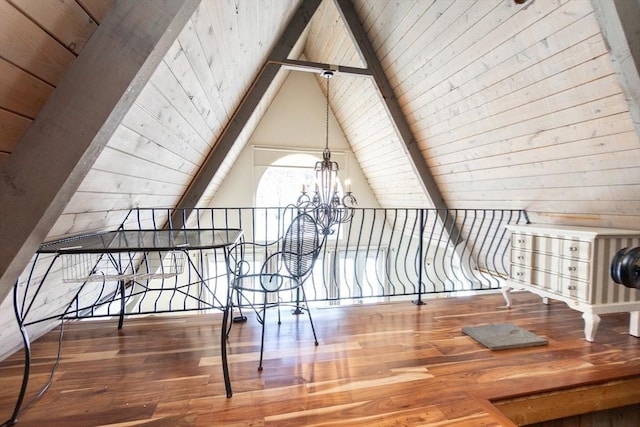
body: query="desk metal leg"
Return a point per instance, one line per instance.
(223, 332)
(21, 315)
(223, 349)
(27, 360)
(122, 306)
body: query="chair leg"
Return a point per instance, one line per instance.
(241, 317)
(306, 304)
(224, 337)
(264, 321)
(229, 311)
(298, 308)
(278, 303)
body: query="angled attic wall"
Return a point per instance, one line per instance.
(59, 149)
(367, 108)
(39, 40)
(619, 22)
(156, 150)
(513, 106)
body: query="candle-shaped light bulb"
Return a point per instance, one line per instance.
(304, 188)
(347, 185)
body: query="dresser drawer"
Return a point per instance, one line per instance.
(520, 273)
(521, 241)
(550, 282)
(536, 261)
(521, 257)
(539, 244)
(539, 278)
(575, 289)
(575, 249)
(574, 269)
(565, 267)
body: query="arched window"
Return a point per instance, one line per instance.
(280, 185)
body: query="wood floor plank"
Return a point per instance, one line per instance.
(385, 364)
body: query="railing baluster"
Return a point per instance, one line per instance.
(421, 256)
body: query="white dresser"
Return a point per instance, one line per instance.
(572, 264)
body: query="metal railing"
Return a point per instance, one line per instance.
(380, 253)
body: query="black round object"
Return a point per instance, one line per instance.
(615, 265)
(625, 267)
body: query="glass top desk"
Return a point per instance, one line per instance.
(144, 240)
(125, 260)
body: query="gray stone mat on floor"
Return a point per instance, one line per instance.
(503, 336)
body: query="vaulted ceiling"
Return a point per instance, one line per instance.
(110, 105)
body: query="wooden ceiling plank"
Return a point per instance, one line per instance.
(97, 9)
(65, 20)
(246, 108)
(26, 45)
(77, 122)
(21, 92)
(12, 126)
(393, 107)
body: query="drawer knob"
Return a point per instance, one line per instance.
(571, 287)
(572, 268)
(520, 257)
(519, 274)
(520, 240)
(573, 248)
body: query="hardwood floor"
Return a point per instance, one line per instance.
(394, 364)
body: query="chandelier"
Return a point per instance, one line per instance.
(326, 204)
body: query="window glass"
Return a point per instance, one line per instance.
(280, 186)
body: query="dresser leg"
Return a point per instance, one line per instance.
(634, 323)
(506, 294)
(591, 322)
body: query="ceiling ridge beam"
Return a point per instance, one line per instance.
(242, 114)
(318, 67)
(59, 148)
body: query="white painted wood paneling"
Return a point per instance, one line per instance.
(175, 121)
(513, 106)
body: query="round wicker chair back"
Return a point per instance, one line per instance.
(300, 246)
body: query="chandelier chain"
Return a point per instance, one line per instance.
(326, 133)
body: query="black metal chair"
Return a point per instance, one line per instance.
(271, 268)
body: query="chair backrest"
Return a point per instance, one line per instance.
(301, 246)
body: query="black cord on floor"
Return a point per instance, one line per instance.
(37, 397)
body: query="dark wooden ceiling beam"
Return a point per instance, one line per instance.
(417, 160)
(621, 32)
(60, 147)
(230, 134)
(359, 35)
